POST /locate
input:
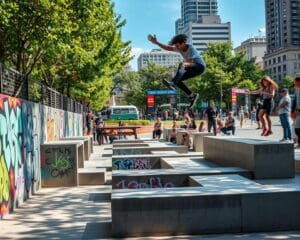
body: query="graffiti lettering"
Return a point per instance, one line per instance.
(135, 163)
(154, 182)
(4, 181)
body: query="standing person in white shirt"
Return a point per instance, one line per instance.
(284, 110)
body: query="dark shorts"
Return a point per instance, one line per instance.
(157, 132)
(268, 104)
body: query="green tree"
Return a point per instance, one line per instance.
(287, 82)
(73, 46)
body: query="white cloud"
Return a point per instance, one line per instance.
(262, 30)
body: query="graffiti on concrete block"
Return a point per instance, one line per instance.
(153, 182)
(134, 163)
(56, 162)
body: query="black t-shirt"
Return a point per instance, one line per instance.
(211, 112)
(258, 107)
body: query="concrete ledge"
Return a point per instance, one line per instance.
(198, 140)
(267, 159)
(166, 178)
(224, 204)
(147, 150)
(90, 176)
(145, 161)
(86, 145)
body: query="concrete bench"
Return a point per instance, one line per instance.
(145, 161)
(92, 176)
(86, 144)
(59, 163)
(198, 140)
(216, 204)
(266, 159)
(148, 149)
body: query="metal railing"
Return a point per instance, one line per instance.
(15, 84)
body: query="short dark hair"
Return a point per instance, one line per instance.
(180, 38)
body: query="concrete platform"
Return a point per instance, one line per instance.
(146, 161)
(92, 176)
(266, 159)
(174, 172)
(223, 204)
(87, 145)
(147, 150)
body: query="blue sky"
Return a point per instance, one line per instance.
(159, 16)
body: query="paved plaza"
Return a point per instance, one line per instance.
(85, 212)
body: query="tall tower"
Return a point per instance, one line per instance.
(283, 38)
(202, 24)
(193, 10)
(283, 23)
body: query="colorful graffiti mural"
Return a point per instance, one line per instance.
(23, 127)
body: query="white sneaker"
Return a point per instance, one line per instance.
(282, 140)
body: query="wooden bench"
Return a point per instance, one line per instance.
(116, 131)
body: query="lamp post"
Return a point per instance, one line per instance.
(221, 90)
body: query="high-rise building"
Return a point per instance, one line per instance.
(193, 10)
(178, 26)
(159, 57)
(253, 48)
(202, 24)
(283, 38)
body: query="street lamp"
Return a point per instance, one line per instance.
(221, 90)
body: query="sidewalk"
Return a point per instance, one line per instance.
(85, 212)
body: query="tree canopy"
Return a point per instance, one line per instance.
(73, 46)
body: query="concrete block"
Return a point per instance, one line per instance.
(90, 176)
(86, 145)
(147, 150)
(268, 212)
(198, 140)
(266, 159)
(59, 163)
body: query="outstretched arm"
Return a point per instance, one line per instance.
(152, 38)
(259, 91)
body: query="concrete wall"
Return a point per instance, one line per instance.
(24, 126)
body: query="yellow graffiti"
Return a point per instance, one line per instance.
(4, 180)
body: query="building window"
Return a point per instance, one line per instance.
(284, 57)
(279, 69)
(274, 60)
(284, 67)
(279, 59)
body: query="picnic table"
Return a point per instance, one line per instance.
(116, 131)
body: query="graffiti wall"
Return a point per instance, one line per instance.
(23, 127)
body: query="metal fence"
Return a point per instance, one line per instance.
(14, 84)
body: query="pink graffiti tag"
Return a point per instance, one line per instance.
(154, 182)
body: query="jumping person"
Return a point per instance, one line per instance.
(192, 66)
(267, 89)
